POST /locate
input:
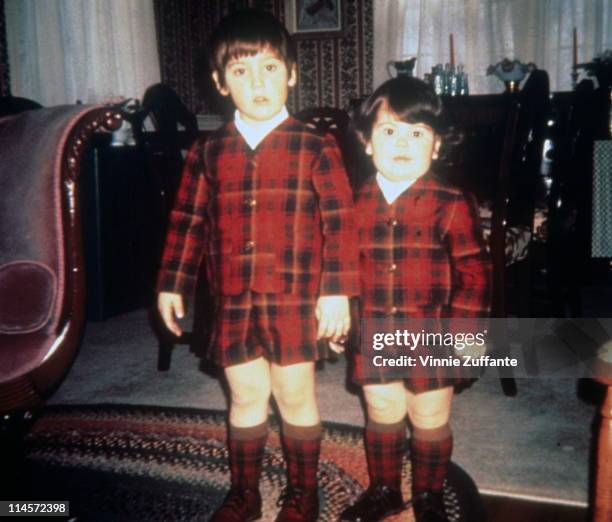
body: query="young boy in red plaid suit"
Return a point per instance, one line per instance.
(266, 203)
(422, 256)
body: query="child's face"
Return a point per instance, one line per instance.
(400, 150)
(258, 84)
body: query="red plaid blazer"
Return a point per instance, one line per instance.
(423, 255)
(277, 219)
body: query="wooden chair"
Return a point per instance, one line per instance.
(337, 122)
(499, 161)
(42, 286)
(482, 165)
(325, 119)
(198, 337)
(175, 128)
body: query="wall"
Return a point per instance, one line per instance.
(331, 71)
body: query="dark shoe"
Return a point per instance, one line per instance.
(239, 505)
(376, 503)
(429, 507)
(298, 505)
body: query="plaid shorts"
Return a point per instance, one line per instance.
(280, 327)
(417, 379)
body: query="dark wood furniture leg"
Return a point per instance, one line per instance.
(603, 478)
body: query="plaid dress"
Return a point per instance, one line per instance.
(423, 256)
(275, 227)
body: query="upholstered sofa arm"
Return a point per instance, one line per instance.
(27, 293)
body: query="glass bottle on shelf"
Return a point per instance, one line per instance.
(453, 87)
(437, 78)
(446, 76)
(462, 81)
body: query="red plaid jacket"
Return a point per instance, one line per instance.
(277, 219)
(423, 255)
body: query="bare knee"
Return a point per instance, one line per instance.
(292, 395)
(431, 409)
(249, 384)
(249, 404)
(249, 395)
(429, 419)
(293, 386)
(386, 403)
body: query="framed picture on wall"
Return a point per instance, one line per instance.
(315, 18)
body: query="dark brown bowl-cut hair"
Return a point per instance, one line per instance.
(245, 33)
(412, 101)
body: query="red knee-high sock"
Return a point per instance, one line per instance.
(384, 446)
(302, 446)
(246, 448)
(430, 454)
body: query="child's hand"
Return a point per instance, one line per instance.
(336, 347)
(170, 306)
(334, 318)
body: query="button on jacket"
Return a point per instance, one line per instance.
(277, 219)
(423, 255)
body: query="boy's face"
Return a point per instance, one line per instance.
(400, 150)
(258, 84)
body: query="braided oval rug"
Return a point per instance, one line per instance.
(132, 463)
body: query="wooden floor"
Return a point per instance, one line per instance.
(502, 509)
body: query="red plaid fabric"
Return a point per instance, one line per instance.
(280, 327)
(302, 458)
(417, 379)
(277, 219)
(422, 256)
(384, 453)
(245, 460)
(430, 460)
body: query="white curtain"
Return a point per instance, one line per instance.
(389, 29)
(61, 51)
(486, 31)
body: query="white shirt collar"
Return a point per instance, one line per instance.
(392, 189)
(254, 133)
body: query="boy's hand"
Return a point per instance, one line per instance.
(336, 347)
(334, 318)
(170, 306)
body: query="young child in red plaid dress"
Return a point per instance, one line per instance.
(422, 256)
(266, 203)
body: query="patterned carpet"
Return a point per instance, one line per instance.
(132, 463)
